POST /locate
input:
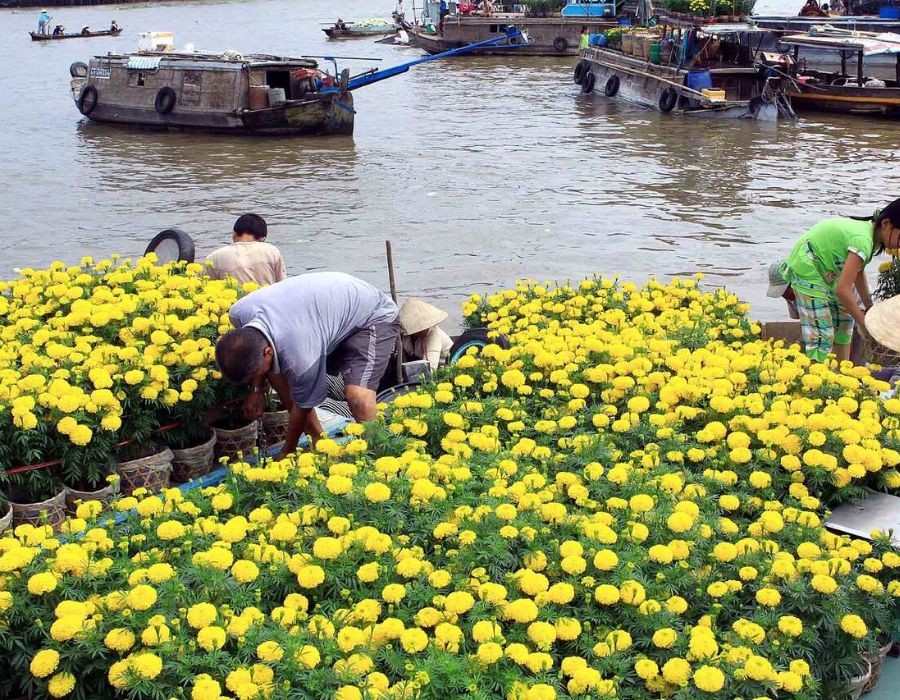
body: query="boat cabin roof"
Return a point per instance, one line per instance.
(149, 60)
(886, 43)
(724, 29)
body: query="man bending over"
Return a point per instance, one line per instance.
(292, 333)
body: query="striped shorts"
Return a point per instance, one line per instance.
(824, 324)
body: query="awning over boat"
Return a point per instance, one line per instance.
(724, 29)
(873, 45)
(143, 62)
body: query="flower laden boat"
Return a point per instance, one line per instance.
(229, 92)
(363, 28)
(555, 34)
(628, 502)
(711, 71)
(35, 36)
(842, 91)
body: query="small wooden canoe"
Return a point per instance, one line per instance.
(353, 32)
(50, 37)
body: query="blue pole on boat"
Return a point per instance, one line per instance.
(378, 75)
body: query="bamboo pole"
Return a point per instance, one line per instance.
(393, 284)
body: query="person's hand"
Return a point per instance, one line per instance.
(254, 405)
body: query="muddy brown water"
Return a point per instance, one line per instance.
(480, 170)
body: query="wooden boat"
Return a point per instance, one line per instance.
(840, 90)
(552, 35)
(779, 27)
(720, 83)
(364, 28)
(74, 35)
(230, 92)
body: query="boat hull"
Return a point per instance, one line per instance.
(548, 36)
(214, 94)
(333, 33)
(329, 115)
(876, 102)
(59, 37)
(642, 83)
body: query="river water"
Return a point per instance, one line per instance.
(480, 171)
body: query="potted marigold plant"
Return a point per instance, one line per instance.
(97, 358)
(274, 422)
(5, 513)
(235, 435)
(36, 497)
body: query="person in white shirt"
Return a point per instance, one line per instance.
(423, 338)
(249, 258)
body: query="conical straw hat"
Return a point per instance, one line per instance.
(417, 315)
(883, 323)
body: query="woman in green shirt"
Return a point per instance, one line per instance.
(826, 271)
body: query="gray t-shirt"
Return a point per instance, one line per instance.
(306, 318)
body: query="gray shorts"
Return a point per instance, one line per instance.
(363, 357)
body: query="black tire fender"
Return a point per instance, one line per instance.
(560, 44)
(612, 86)
(165, 100)
(474, 338)
(79, 69)
(87, 99)
(580, 67)
(391, 393)
(587, 83)
(184, 243)
(668, 99)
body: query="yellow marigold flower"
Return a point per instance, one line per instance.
(61, 685)
(270, 652)
(119, 639)
(709, 679)
(201, 615)
(42, 583)
(44, 663)
(413, 640)
(854, 626)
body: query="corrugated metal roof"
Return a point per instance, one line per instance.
(143, 62)
(869, 45)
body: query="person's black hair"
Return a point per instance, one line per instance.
(253, 224)
(239, 353)
(890, 213)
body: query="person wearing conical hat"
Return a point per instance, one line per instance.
(423, 338)
(883, 323)
(44, 22)
(780, 287)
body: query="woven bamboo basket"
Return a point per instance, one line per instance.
(857, 685)
(877, 354)
(876, 661)
(230, 443)
(627, 43)
(273, 427)
(54, 509)
(6, 519)
(193, 462)
(104, 495)
(151, 473)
